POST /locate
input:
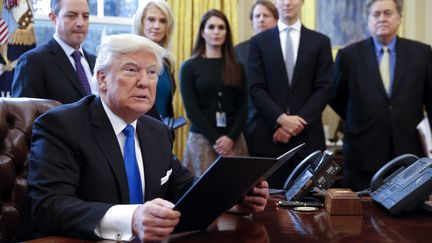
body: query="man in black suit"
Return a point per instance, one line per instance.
(263, 16)
(49, 71)
(381, 96)
(289, 91)
(80, 181)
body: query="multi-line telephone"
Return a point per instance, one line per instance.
(316, 170)
(403, 184)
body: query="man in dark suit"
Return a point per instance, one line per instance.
(83, 179)
(381, 96)
(289, 87)
(263, 16)
(49, 71)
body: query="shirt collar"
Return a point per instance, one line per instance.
(282, 26)
(117, 122)
(67, 48)
(391, 46)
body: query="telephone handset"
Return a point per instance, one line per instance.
(306, 163)
(407, 188)
(316, 170)
(402, 161)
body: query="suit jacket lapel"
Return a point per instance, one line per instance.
(402, 57)
(280, 61)
(104, 135)
(63, 63)
(302, 54)
(151, 167)
(371, 65)
(90, 61)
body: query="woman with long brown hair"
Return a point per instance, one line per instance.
(214, 95)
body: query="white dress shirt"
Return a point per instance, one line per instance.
(295, 40)
(295, 37)
(116, 224)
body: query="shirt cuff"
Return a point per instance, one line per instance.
(279, 119)
(116, 224)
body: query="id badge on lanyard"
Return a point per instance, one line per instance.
(220, 114)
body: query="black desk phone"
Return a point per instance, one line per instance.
(407, 187)
(316, 170)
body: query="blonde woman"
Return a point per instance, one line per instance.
(155, 21)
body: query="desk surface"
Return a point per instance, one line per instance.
(282, 224)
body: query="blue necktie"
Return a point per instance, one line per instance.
(134, 180)
(81, 73)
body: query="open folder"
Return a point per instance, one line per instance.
(222, 186)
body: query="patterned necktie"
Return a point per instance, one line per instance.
(136, 195)
(80, 71)
(289, 56)
(385, 68)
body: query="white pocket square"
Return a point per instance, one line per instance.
(166, 177)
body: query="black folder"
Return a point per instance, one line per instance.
(222, 186)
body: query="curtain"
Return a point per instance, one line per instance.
(308, 13)
(187, 15)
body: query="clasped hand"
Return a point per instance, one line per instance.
(224, 146)
(290, 126)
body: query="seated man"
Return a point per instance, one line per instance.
(81, 178)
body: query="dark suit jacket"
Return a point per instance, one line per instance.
(242, 54)
(379, 127)
(46, 72)
(77, 172)
(273, 96)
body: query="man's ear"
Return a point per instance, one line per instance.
(53, 17)
(101, 79)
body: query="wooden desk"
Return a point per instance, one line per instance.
(286, 225)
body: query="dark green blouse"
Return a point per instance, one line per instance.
(200, 82)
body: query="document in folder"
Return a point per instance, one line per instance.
(425, 135)
(222, 186)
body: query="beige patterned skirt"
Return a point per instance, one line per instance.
(199, 153)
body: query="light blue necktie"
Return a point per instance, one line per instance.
(289, 56)
(136, 195)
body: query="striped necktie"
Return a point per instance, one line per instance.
(80, 71)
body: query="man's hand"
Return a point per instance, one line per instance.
(292, 124)
(281, 136)
(154, 220)
(256, 200)
(224, 146)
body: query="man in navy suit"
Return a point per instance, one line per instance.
(79, 181)
(49, 71)
(289, 102)
(381, 99)
(263, 16)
